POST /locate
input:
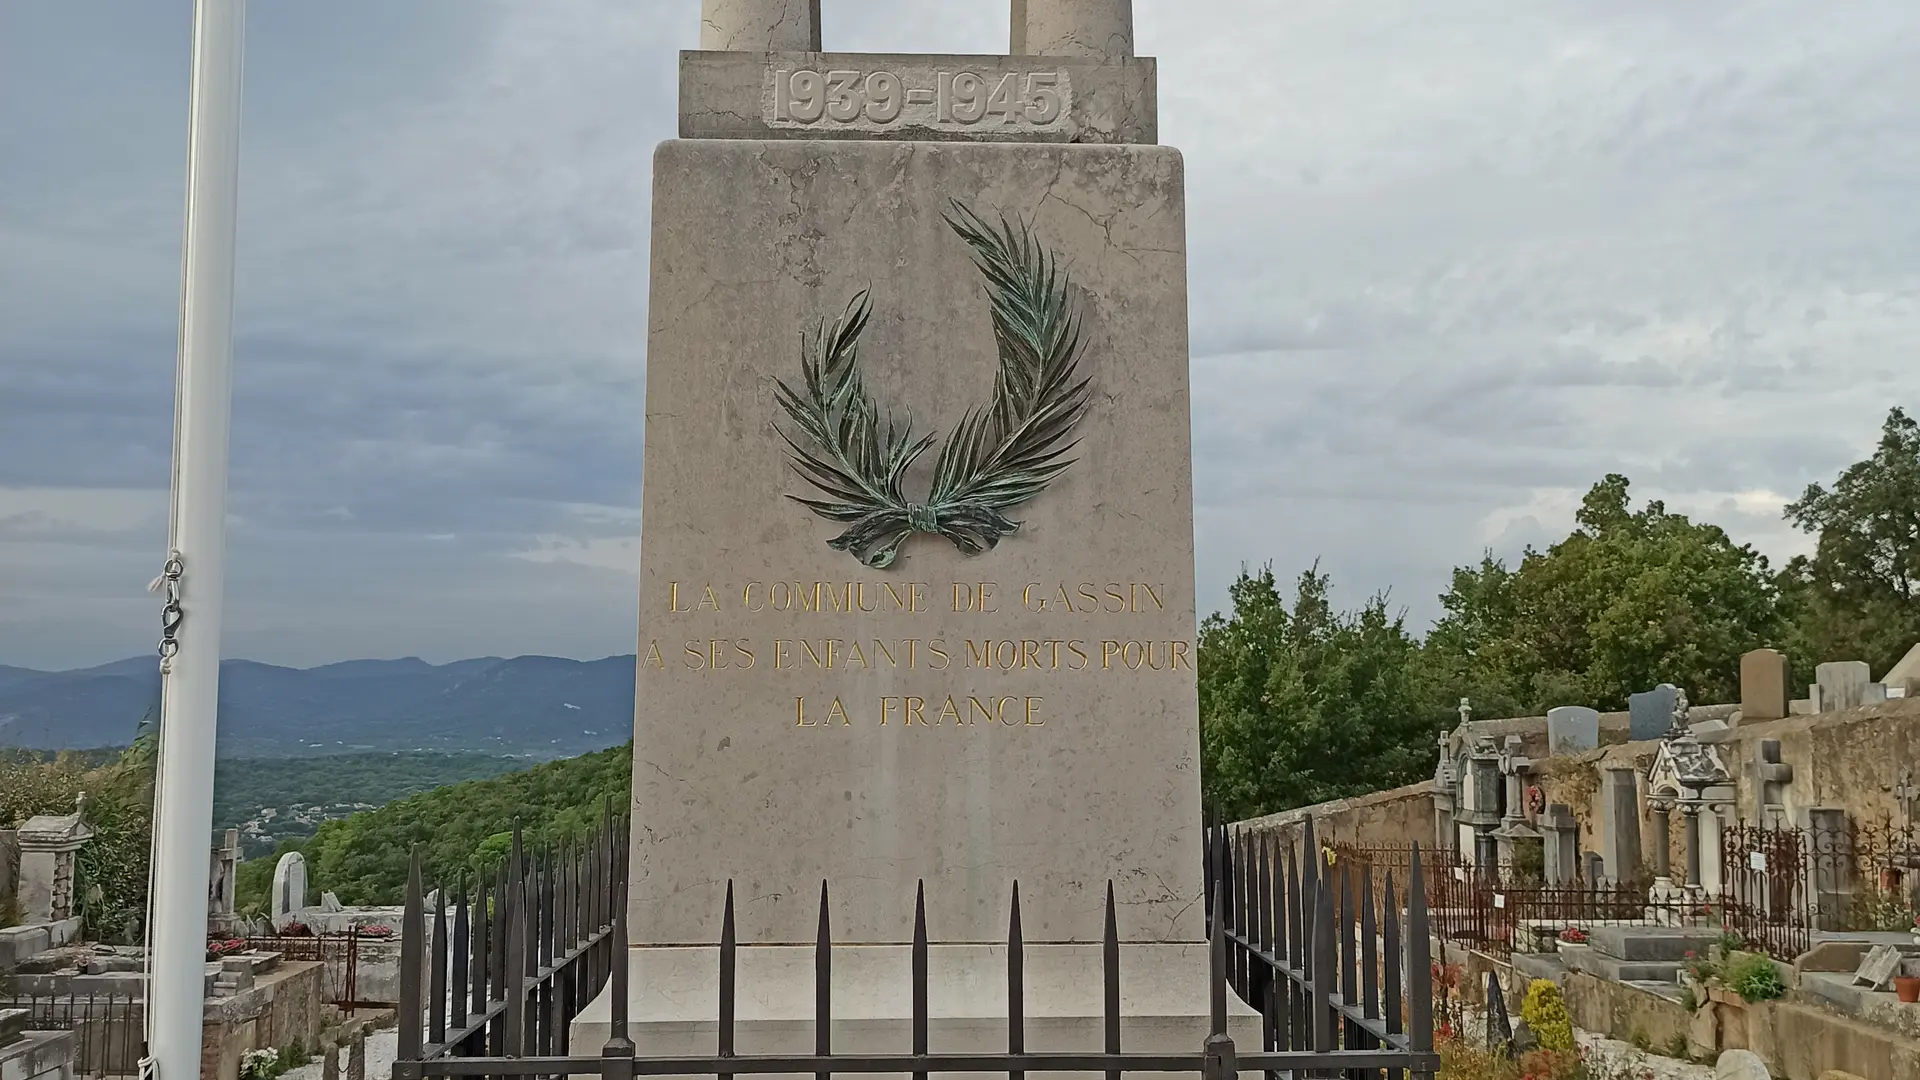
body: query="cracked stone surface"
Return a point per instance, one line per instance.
(760, 26)
(753, 242)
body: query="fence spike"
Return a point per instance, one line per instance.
(823, 986)
(1419, 961)
(1390, 939)
(1217, 974)
(920, 972)
(1110, 969)
(728, 960)
(437, 976)
(1016, 984)
(413, 931)
(1324, 1013)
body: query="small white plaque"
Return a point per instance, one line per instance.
(1757, 860)
(1499, 900)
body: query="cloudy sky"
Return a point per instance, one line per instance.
(1450, 264)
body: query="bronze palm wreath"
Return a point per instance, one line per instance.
(1001, 454)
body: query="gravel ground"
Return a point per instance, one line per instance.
(382, 1047)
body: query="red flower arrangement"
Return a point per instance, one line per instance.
(219, 947)
(1573, 935)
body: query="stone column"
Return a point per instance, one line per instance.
(1097, 29)
(760, 25)
(1692, 817)
(1561, 857)
(1662, 840)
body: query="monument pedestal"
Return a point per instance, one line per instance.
(673, 1000)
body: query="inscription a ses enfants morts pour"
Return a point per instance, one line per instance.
(967, 655)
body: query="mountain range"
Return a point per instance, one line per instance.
(527, 706)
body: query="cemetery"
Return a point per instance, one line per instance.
(916, 759)
(1634, 858)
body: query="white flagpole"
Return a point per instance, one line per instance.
(190, 687)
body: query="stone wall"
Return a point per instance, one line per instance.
(282, 1007)
(1400, 815)
(9, 869)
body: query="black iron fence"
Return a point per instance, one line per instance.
(1782, 884)
(107, 1028)
(1338, 992)
(338, 953)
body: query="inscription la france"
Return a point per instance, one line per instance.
(942, 654)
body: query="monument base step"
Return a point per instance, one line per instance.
(673, 1001)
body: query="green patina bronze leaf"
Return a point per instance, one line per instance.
(999, 456)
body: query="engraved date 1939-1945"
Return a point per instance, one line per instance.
(956, 98)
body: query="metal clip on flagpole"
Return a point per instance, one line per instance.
(194, 574)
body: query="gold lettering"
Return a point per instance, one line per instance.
(885, 653)
(800, 713)
(695, 658)
(948, 708)
(1028, 649)
(1065, 602)
(916, 599)
(1130, 655)
(1028, 601)
(975, 705)
(916, 710)
(840, 711)
(1158, 604)
(708, 602)
(860, 594)
(780, 658)
(673, 598)
(893, 594)
(1000, 711)
(886, 707)
(745, 648)
(1093, 600)
(979, 654)
(807, 645)
(780, 596)
(653, 655)
(1179, 657)
(1113, 594)
(1108, 651)
(1079, 650)
(984, 591)
(746, 596)
(855, 654)
(962, 597)
(1006, 655)
(938, 647)
(1033, 709)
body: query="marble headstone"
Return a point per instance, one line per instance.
(1763, 685)
(1572, 729)
(1841, 684)
(289, 889)
(1650, 713)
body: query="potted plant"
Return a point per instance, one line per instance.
(1907, 988)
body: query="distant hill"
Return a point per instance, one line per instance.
(363, 857)
(528, 706)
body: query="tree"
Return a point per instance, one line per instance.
(1630, 599)
(1301, 706)
(1858, 597)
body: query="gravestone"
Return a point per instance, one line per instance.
(1763, 685)
(1650, 712)
(940, 642)
(1840, 684)
(1905, 675)
(49, 847)
(1572, 729)
(1620, 822)
(289, 889)
(1878, 967)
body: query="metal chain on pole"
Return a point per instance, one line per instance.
(171, 613)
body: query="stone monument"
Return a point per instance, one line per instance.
(916, 582)
(289, 890)
(1650, 712)
(49, 845)
(1572, 729)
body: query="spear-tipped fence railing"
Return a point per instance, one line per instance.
(1336, 995)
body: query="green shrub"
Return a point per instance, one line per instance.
(1753, 977)
(1546, 1014)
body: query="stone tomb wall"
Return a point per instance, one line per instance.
(1025, 714)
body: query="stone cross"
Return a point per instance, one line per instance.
(1770, 778)
(1906, 792)
(1515, 765)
